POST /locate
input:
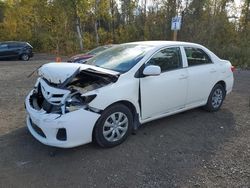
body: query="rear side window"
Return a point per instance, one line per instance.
(196, 56)
(167, 59)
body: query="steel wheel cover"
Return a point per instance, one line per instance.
(115, 127)
(25, 57)
(217, 98)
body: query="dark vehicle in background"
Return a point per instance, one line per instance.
(82, 58)
(15, 50)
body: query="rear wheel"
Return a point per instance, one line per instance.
(114, 126)
(25, 57)
(215, 98)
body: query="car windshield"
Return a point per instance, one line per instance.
(98, 50)
(120, 58)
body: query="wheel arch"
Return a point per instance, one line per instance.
(223, 83)
(24, 53)
(133, 110)
(208, 106)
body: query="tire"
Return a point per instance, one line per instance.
(25, 57)
(114, 126)
(215, 98)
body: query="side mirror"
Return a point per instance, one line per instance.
(152, 70)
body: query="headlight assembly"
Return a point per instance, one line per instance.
(88, 99)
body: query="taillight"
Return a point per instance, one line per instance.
(232, 68)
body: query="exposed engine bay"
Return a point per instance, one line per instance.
(88, 80)
(69, 95)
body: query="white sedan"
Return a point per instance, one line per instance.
(127, 85)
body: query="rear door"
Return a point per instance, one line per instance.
(202, 75)
(167, 91)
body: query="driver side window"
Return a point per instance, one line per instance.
(168, 59)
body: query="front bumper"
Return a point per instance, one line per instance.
(78, 126)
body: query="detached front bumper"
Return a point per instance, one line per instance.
(60, 130)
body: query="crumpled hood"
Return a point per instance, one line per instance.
(58, 72)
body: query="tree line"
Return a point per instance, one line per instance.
(72, 26)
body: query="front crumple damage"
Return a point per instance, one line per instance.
(68, 93)
(60, 130)
(89, 80)
(58, 107)
(57, 72)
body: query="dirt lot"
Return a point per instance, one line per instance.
(191, 149)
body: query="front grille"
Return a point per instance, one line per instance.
(37, 129)
(53, 94)
(50, 107)
(48, 97)
(38, 101)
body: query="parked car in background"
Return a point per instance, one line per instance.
(116, 91)
(15, 50)
(82, 58)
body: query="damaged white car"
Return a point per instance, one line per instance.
(127, 85)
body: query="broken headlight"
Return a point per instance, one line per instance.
(77, 102)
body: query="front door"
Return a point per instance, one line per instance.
(167, 91)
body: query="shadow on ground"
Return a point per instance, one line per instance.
(164, 153)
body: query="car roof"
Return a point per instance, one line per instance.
(159, 43)
(13, 42)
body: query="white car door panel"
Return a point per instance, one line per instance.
(163, 93)
(201, 82)
(167, 91)
(203, 75)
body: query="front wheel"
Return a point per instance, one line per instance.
(215, 98)
(25, 57)
(114, 126)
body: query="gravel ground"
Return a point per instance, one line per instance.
(191, 149)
